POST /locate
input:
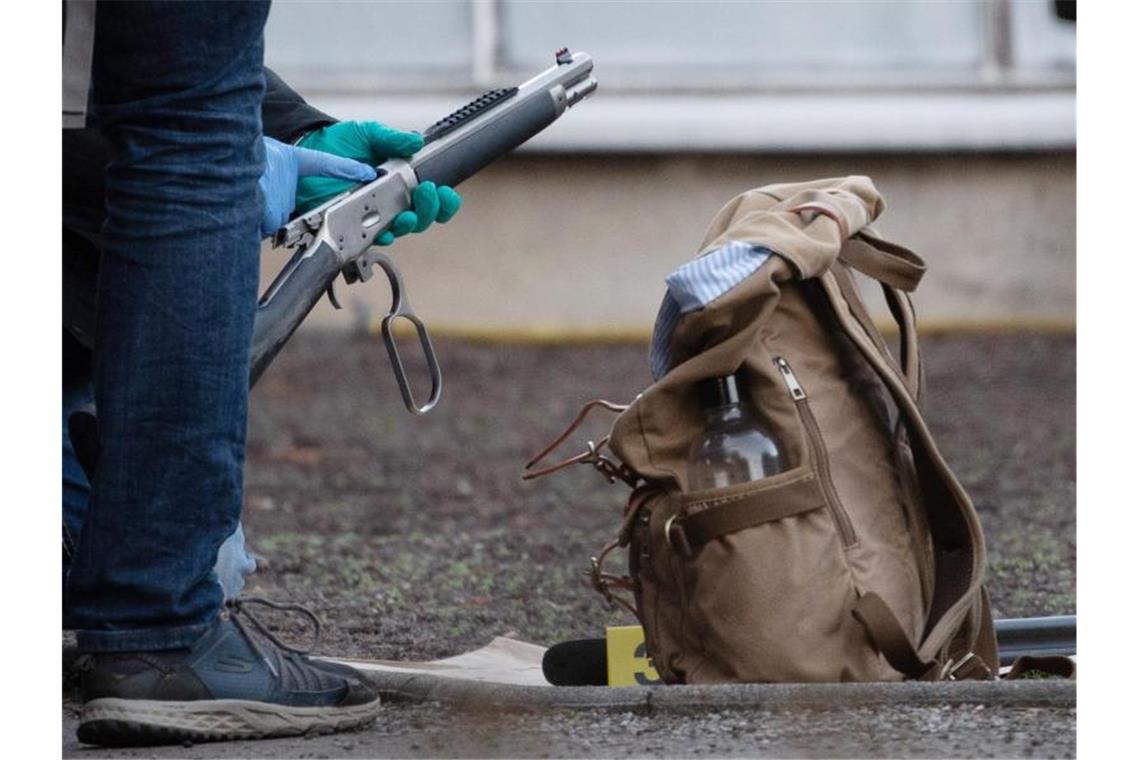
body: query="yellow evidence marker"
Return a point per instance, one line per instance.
(627, 661)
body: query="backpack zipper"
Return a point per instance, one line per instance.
(819, 452)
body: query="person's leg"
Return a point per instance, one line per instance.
(233, 563)
(177, 90)
(85, 155)
(78, 391)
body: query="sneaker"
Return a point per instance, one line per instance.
(233, 683)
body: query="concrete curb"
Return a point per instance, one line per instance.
(425, 688)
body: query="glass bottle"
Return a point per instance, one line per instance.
(736, 445)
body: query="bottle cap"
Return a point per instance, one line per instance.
(718, 391)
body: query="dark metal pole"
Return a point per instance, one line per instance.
(1037, 636)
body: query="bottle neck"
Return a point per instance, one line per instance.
(725, 413)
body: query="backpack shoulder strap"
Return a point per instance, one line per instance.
(909, 366)
(956, 536)
(886, 262)
(897, 270)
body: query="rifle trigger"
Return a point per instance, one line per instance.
(331, 293)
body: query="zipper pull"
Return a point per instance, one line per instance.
(790, 380)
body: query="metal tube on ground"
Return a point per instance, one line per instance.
(1037, 636)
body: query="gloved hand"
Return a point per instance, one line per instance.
(374, 143)
(285, 164)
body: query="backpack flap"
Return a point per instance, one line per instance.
(800, 223)
(790, 220)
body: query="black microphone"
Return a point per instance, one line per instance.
(576, 663)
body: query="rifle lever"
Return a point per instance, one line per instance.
(361, 270)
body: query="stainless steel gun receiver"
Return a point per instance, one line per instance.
(337, 237)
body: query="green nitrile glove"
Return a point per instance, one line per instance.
(373, 143)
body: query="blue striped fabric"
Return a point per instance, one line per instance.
(695, 285)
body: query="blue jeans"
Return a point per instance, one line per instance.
(177, 89)
(233, 563)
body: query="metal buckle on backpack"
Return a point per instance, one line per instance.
(675, 537)
(595, 573)
(612, 471)
(952, 668)
(603, 582)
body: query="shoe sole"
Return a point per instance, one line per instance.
(114, 722)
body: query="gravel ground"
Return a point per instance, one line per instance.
(434, 730)
(414, 538)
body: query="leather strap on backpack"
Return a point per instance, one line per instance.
(715, 519)
(888, 636)
(972, 662)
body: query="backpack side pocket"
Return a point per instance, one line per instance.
(767, 590)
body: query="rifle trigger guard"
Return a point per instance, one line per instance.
(401, 309)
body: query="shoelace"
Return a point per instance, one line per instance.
(238, 611)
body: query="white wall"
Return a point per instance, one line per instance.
(580, 245)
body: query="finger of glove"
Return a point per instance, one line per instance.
(316, 163)
(425, 200)
(277, 190)
(385, 238)
(385, 142)
(449, 203)
(274, 212)
(313, 191)
(404, 223)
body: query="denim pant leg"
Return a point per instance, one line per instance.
(233, 564)
(78, 391)
(177, 89)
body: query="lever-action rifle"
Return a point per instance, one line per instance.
(337, 237)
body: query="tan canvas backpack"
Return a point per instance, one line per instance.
(862, 562)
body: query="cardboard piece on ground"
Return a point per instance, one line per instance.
(503, 661)
(513, 662)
